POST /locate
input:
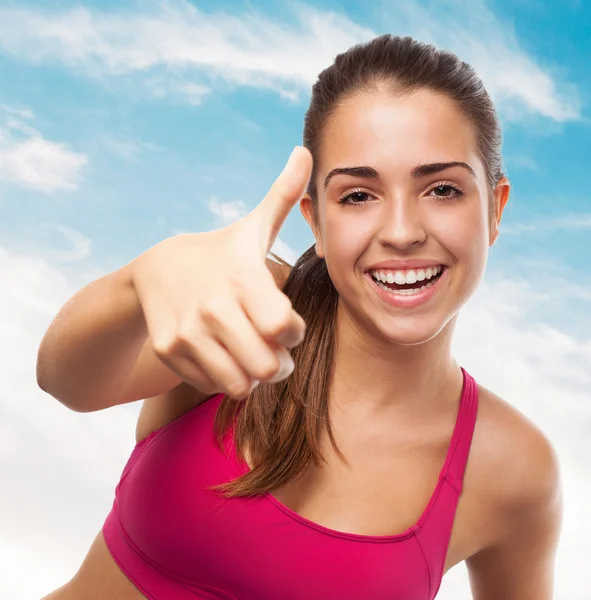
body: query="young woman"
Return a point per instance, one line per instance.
(307, 433)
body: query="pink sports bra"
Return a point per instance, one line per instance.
(177, 540)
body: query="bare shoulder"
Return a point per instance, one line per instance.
(513, 468)
(513, 504)
(518, 450)
(158, 411)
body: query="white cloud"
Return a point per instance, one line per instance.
(521, 162)
(79, 245)
(58, 468)
(227, 213)
(177, 39)
(23, 113)
(284, 251)
(566, 222)
(192, 92)
(182, 51)
(176, 87)
(29, 160)
(514, 79)
(128, 149)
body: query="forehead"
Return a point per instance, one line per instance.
(395, 133)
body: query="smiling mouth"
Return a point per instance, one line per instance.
(409, 282)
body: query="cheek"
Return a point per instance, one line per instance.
(346, 236)
(459, 232)
(464, 234)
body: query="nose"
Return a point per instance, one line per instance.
(402, 225)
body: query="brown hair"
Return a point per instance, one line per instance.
(282, 423)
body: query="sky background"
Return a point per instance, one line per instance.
(123, 123)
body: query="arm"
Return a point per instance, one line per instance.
(91, 346)
(96, 352)
(520, 564)
(192, 302)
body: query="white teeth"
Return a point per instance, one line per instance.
(409, 276)
(399, 278)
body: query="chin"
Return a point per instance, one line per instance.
(412, 332)
(399, 329)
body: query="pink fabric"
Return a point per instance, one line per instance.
(175, 540)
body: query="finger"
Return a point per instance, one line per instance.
(285, 192)
(259, 360)
(287, 365)
(190, 372)
(271, 312)
(219, 365)
(175, 341)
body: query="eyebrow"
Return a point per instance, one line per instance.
(416, 172)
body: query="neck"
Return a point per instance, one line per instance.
(377, 376)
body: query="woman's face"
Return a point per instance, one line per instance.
(392, 206)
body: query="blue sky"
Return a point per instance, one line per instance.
(122, 123)
(156, 155)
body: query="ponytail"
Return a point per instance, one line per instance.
(282, 423)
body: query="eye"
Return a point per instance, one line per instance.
(446, 190)
(355, 197)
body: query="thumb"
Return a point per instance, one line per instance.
(285, 192)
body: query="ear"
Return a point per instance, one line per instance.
(307, 210)
(501, 196)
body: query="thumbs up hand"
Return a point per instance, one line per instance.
(213, 311)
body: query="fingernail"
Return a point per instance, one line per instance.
(287, 367)
(285, 370)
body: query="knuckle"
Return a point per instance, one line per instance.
(183, 338)
(239, 281)
(278, 326)
(278, 322)
(238, 389)
(273, 328)
(267, 368)
(165, 346)
(185, 335)
(210, 313)
(207, 387)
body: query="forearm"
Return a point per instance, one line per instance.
(91, 346)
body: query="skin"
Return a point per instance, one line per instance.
(394, 365)
(396, 387)
(400, 217)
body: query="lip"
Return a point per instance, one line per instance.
(408, 301)
(401, 265)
